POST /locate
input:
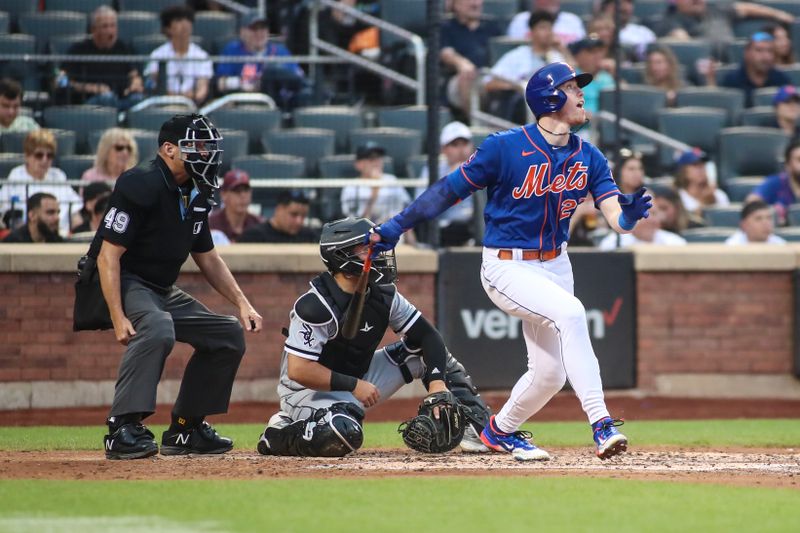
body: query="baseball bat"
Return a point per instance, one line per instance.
(352, 315)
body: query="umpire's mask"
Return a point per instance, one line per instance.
(342, 248)
(200, 145)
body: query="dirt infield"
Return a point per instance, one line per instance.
(763, 468)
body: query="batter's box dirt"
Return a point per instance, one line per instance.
(763, 467)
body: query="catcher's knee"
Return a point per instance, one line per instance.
(331, 432)
(459, 382)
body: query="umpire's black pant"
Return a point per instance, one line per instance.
(160, 319)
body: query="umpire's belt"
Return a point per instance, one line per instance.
(530, 255)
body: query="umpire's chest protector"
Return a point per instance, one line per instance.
(353, 356)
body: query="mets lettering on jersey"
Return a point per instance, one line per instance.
(532, 188)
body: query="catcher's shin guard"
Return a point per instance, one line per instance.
(460, 384)
(332, 432)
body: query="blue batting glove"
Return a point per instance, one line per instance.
(635, 206)
(389, 232)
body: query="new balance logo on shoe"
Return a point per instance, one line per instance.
(182, 438)
(109, 444)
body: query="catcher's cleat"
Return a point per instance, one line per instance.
(202, 439)
(471, 442)
(609, 440)
(130, 441)
(277, 421)
(518, 444)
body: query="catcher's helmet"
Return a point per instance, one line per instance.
(200, 144)
(542, 92)
(340, 243)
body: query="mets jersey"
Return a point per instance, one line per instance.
(532, 187)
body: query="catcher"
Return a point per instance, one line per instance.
(328, 381)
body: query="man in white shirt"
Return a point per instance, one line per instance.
(630, 34)
(756, 225)
(375, 203)
(695, 187)
(568, 27)
(186, 78)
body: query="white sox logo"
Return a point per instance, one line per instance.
(575, 179)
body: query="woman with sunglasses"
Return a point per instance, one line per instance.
(39, 149)
(116, 152)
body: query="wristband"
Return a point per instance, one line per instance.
(624, 223)
(343, 382)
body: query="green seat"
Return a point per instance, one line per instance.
(738, 188)
(749, 151)
(408, 14)
(707, 235)
(61, 43)
(271, 166)
(500, 45)
(763, 115)
(340, 119)
(400, 143)
(734, 52)
(501, 11)
(25, 73)
(794, 215)
(234, 145)
(725, 217)
(695, 126)
(764, 96)
(75, 165)
(82, 6)
(789, 234)
(793, 72)
(134, 23)
(731, 100)
(743, 28)
(688, 52)
(151, 118)
(145, 44)
(413, 118)
(312, 144)
(81, 119)
(155, 6)
(639, 104)
(255, 120)
(48, 24)
(4, 22)
(214, 26)
(15, 8)
(8, 161)
(338, 166)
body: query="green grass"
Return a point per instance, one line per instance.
(418, 505)
(783, 433)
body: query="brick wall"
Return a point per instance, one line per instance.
(37, 341)
(714, 322)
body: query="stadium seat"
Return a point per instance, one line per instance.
(49, 24)
(500, 45)
(725, 217)
(408, 14)
(764, 96)
(15, 8)
(763, 116)
(255, 120)
(151, 118)
(734, 52)
(235, 144)
(338, 166)
(155, 6)
(8, 161)
(749, 151)
(61, 43)
(579, 7)
(413, 118)
(688, 52)
(501, 11)
(633, 74)
(271, 166)
(648, 9)
(82, 6)
(75, 165)
(731, 100)
(788, 234)
(81, 119)
(739, 187)
(131, 24)
(640, 103)
(794, 215)
(479, 133)
(400, 144)
(793, 72)
(312, 144)
(707, 235)
(340, 119)
(214, 26)
(695, 126)
(25, 73)
(4, 22)
(745, 27)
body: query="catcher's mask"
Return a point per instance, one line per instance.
(200, 145)
(342, 249)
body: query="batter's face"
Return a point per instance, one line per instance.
(758, 226)
(573, 112)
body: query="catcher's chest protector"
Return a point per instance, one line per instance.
(353, 356)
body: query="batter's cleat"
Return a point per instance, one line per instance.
(471, 442)
(130, 441)
(202, 439)
(518, 444)
(609, 440)
(277, 421)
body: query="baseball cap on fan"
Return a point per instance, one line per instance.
(453, 131)
(690, 157)
(787, 93)
(253, 20)
(370, 149)
(234, 179)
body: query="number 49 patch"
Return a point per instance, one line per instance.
(117, 220)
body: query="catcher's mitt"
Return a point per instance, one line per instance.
(427, 434)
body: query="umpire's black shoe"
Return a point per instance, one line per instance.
(200, 439)
(130, 441)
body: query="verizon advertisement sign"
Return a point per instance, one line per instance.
(490, 342)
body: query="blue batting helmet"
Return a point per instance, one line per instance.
(542, 93)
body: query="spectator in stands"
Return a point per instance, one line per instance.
(234, 217)
(694, 187)
(465, 49)
(186, 78)
(787, 109)
(91, 193)
(631, 34)
(757, 69)
(629, 171)
(375, 203)
(247, 77)
(781, 190)
(42, 225)
(10, 102)
(784, 52)
(117, 152)
(662, 71)
(756, 225)
(647, 231)
(96, 212)
(588, 55)
(287, 223)
(697, 19)
(39, 149)
(506, 84)
(111, 83)
(455, 224)
(673, 215)
(602, 28)
(568, 27)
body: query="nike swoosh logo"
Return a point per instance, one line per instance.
(526, 154)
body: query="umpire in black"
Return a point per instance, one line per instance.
(156, 217)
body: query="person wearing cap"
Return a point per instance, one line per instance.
(756, 225)
(234, 217)
(253, 41)
(455, 224)
(787, 109)
(287, 223)
(589, 54)
(757, 69)
(157, 216)
(81, 221)
(781, 190)
(185, 78)
(374, 203)
(695, 188)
